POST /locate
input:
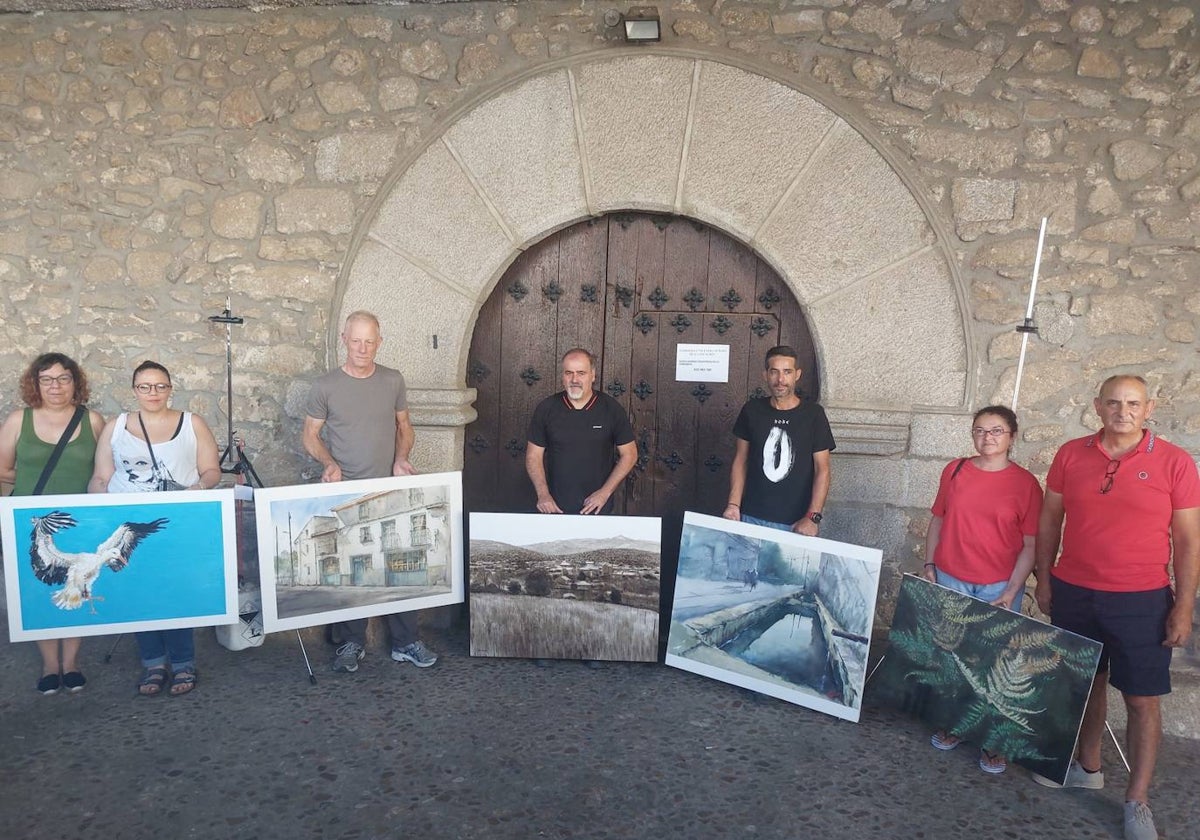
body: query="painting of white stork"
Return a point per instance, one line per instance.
(78, 571)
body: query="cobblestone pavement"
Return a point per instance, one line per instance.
(479, 748)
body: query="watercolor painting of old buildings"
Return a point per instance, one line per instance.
(355, 549)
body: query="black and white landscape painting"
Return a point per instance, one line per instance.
(565, 587)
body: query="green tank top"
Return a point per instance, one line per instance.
(74, 468)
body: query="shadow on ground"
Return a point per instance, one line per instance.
(496, 748)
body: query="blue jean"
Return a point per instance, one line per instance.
(983, 591)
(766, 523)
(158, 647)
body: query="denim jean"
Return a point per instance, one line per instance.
(158, 647)
(983, 591)
(766, 523)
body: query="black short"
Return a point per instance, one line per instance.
(1130, 625)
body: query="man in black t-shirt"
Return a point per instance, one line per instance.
(781, 471)
(569, 454)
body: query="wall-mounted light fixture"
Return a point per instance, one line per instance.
(642, 25)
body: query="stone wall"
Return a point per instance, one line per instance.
(154, 165)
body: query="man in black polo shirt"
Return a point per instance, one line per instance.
(780, 473)
(569, 455)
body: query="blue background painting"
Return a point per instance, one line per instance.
(177, 572)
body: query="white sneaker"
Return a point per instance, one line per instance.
(416, 653)
(1077, 777)
(1139, 822)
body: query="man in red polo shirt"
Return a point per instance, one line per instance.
(1130, 500)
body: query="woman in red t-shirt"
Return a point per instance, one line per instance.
(980, 540)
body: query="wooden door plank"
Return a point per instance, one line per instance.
(618, 293)
(583, 251)
(762, 334)
(684, 286)
(651, 256)
(643, 372)
(618, 300)
(678, 416)
(481, 438)
(732, 268)
(715, 441)
(529, 352)
(685, 266)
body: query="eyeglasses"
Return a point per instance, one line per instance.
(62, 379)
(1109, 475)
(151, 387)
(995, 432)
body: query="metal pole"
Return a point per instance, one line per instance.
(312, 678)
(291, 548)
(1027, 327)
(1117, 744)
(229, 380)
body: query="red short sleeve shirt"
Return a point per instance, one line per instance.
(1120, 541)
(985, 519)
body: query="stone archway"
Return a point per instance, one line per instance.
(768, 164)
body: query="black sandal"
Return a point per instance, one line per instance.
(183, 681)
(152, 681)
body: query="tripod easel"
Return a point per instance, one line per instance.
(234, 460)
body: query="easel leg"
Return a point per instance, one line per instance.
(246, 469)
(1117, 744)
(312, 678)
(873, 670)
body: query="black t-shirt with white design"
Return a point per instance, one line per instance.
(779, 470)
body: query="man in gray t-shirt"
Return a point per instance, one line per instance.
(354, 413)
(363, 410)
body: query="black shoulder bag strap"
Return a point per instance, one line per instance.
(48, 470)
(958, 469)
(153, 461)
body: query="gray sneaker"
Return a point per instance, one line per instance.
(1139, 822)
(346, 658)
(1077, 777)
(416, 653)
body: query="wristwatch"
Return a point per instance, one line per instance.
(816, 517)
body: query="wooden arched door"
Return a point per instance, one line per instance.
(630, 287)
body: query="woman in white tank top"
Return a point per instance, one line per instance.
(158, 448)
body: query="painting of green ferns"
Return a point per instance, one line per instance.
(1006, 682)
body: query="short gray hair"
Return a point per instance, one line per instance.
(362, 315)
(579, 351)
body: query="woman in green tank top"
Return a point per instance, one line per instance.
(52, 386)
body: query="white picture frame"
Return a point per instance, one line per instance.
(175, 566)
(562, 586)
(356, 549)
(724, 628)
